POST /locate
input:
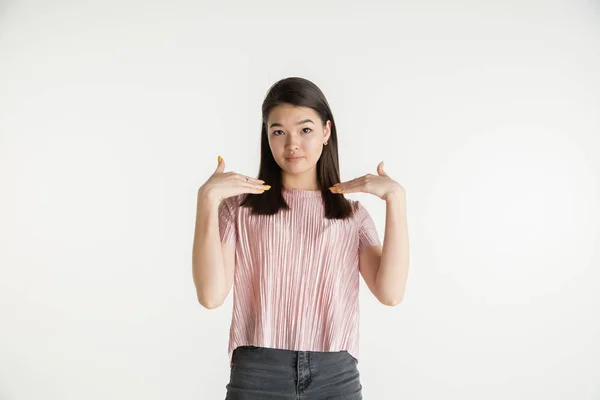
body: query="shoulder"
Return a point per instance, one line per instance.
(361, 215)
(358, 208)
(231, 204)
(234, 201)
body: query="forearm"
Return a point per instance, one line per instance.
(393, 269)
(207, 256)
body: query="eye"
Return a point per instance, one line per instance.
(305, 130)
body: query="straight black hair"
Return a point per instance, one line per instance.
(299, 92)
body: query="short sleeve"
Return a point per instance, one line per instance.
(227, 226)
(367, 232)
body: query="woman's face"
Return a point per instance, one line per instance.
(296, 137)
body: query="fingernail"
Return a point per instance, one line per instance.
(268, 187)
(220, 159)
(262, 191)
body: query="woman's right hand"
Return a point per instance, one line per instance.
(221, 185)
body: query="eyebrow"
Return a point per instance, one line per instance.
(297, 123)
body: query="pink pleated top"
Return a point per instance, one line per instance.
(296, 279)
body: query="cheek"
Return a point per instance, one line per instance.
(275, 146)
(315, 147)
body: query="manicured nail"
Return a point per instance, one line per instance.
(220, 159)
(268, 187)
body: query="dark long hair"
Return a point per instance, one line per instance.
(299, 92)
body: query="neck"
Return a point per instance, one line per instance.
(301, 182)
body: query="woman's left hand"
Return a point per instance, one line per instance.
(381, 185)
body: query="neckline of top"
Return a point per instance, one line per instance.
(294, 192)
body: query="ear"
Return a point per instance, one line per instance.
(327, 130)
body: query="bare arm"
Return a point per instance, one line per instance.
(390, 280)
(213, 262)
(211, 279)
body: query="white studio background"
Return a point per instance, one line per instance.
(113, 113)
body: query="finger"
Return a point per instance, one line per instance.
(257, 188)
(353, 186)
(221, 165)
(343, 185)
(256, 185)
(337, 188)
(245, 178)
(345, 188)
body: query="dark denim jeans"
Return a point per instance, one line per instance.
(267, 374)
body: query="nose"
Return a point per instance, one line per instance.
(292, 144)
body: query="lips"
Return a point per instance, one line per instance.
(296, 158)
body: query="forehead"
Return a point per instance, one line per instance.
(290, 114)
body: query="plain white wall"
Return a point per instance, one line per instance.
(113, 113)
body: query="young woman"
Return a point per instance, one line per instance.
(295, 247)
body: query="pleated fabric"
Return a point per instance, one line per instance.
(296, 280)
